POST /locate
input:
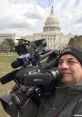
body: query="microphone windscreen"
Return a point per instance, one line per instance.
(8, 77)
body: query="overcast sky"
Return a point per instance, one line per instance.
(28, 16)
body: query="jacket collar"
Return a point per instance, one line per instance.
(75, 86)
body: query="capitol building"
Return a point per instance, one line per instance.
(52, 33)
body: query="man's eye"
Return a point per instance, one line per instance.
(72, 62)
(60, 62)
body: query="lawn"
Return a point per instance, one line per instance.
(5, 67)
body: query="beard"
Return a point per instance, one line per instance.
(67, 78)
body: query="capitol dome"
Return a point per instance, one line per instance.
(51, 23)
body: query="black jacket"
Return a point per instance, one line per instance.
(66, 102)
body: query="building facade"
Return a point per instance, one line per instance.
(12, 36)
(52, 33)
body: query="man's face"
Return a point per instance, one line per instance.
(71, 69)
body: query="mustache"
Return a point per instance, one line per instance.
(65, 72)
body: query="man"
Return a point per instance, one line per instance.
(67, 98)
(70, 65)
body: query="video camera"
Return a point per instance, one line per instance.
(28, 52)
(37, 77)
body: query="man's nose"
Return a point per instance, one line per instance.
(64, 65)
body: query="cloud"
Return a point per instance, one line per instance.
(45, 3)
(69, 14)
(21, 1)
(28, 16)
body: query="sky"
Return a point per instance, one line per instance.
(25, 17)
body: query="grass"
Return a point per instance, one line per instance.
(5, 62)
(5, 67)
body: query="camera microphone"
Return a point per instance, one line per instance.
(8, 77)
(23, 60)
